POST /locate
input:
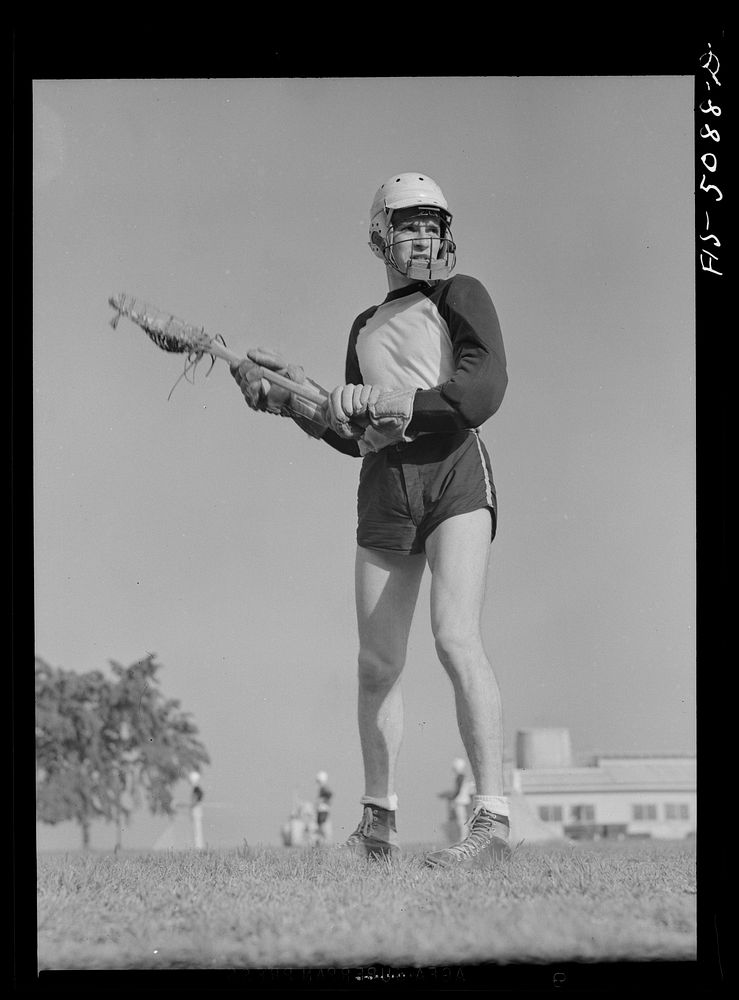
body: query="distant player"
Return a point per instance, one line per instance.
(323, 809)
(423, 370)
(300, 829)
(196, 809)
(459, 799)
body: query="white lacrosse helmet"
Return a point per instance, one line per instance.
(404, 191)
(322, 777)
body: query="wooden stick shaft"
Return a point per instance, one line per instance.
(306, 391)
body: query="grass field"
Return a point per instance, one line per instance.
(263, 907)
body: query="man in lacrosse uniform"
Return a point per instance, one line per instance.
(424, 369)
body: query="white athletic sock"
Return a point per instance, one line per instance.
(389, 802)
(493, 803)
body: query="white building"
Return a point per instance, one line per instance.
(616, 796)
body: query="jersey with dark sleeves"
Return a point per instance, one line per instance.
(442, 339)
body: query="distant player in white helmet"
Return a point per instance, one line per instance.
(423, 370)
(323, 809)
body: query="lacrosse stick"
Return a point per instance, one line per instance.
(177, 336)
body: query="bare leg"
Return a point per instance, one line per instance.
(458, 554)
(386, 592)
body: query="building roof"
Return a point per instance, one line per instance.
(614, 774)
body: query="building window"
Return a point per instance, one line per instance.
(582, 814)
(550, 814)
(677, 810)
(644, 811)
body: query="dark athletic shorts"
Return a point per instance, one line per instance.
(407, 490)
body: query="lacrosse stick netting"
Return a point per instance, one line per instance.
(179, 337)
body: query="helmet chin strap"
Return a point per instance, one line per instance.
(431, 271)
(427, 269)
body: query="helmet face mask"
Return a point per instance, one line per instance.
(419, 244)
(407, 198)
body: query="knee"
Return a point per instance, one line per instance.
(457, 647)
(377, 671)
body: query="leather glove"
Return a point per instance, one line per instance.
(260, 394)
(346, 409)
(389, 413)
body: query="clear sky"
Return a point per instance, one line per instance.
(223, 540)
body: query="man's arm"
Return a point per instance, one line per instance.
(475, 391)
(344, 445)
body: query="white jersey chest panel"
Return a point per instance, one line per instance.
(406, 344)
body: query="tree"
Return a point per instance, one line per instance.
(157, 742)
(102, 744)
(71, 755)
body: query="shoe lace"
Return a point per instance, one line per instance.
(480, 827)
(365, 825)
(368, 818)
